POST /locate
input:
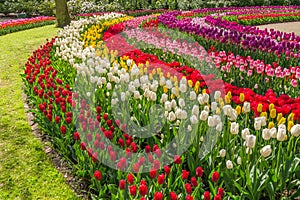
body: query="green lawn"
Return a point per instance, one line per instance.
(25, 170)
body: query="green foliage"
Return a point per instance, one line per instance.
(33, 7)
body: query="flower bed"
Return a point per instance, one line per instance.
(11, 26)
(132, 105)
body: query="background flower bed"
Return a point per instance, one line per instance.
(268, 135)
(11, 26)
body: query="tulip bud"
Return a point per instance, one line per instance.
(242, 97)
(271, 125)
(281, 134)
(211, 121)
(195, 110)
(246, 107)
(222, 153)
(250, 141)
(234, 128)
(229, 164)
(238, 110)
(295, 130)
(194, 119)
(239, 160)
(259, 107)
(245, 132)
(205, 98)
(193, 95)
(257, 123)
(273, 113)
(214, 106)
(266, 151)
(203, 115)
(266, 135)
(219, 126)
(217, 95)
(171, 117)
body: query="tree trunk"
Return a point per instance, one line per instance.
(62, 13)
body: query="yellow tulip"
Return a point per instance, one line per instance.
(264, 114)
(242, 97)
(282, 120)
(279, 116)
(238, 109)
(290, 125)
(259, 107)
(271, 125)
(273, 113)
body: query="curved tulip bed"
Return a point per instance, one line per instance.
(232, 131)
(15, 25)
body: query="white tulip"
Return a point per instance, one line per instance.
(164, 98)
(214, 106)
(129, 62)
(239, 160)
(266, 151)
(266, 135)
(273, 132)
(217, 95)
(181, 102)
(217, 119)
(171, 117)
(173, 103)
(205, 98)
(123, 96)
(229, 164)
(206, 108)
(222, 153)
(257, 123)
(168, 106)
(219, 126)
(234, 128)
(247, 107)
(194, 119)
(245, 132)
(295, 130)
(200, 99)
(183, 88)
(281, 134)
(250, 141)
(203, 115)
(136, 94)
(211, 121)
(227, 109)
(195, 110)
(169, 84)
(248, 150)
(263, 121)
(193, 95)
(153, 96)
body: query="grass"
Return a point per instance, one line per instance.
(25, 170)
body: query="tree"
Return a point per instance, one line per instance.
(62, 13)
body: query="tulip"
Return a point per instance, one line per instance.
(229, 164)
(234, 128)
(295, 130)
(266, 135)
(222, 153)
(246, 107)
(239, 160)
(266, 151)
(245, 132)
(281, 134)
(250, 141)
